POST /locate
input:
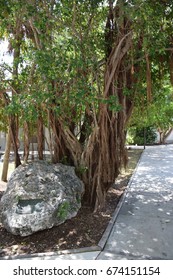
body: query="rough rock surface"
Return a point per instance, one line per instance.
(40, 195)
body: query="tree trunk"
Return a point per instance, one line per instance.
(26, 141)
(166, 134)
(61, 149)
(50, 138)
(32, 150)
(6, 158)
(40, 137)
(105, 151)
(14, 137)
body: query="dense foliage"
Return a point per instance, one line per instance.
(142, 136)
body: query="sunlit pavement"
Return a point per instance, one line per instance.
(144, 226)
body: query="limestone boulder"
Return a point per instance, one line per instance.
(39, 196)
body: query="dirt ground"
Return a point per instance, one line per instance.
(85, 230)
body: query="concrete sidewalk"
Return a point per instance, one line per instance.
(142, 227)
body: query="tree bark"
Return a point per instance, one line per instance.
(105, 151)
(26, 141)
(40, 137)
(6, 157)
(14, 137)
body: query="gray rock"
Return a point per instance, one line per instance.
(39, 196)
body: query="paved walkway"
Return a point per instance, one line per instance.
(143, 228)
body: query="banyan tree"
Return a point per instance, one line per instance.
(77, 69)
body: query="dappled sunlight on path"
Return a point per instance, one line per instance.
(144, 226)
